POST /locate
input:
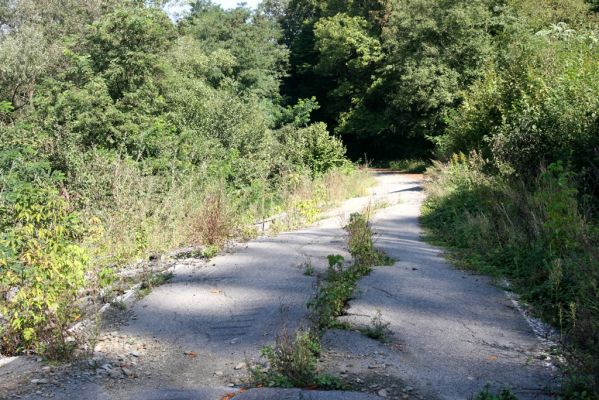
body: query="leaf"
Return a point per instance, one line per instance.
(229, 396)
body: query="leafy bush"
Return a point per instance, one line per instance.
(42, 271)
(531, 107)
(312, 148)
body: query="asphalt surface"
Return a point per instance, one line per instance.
(458, 332)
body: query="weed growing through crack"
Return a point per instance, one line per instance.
(308, 267)
(340, 281)
(292, 363)
(361, 242)
(333, 293)
(486, 394)
(378, 328)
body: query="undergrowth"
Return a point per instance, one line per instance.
(411, 166)
(54, 260)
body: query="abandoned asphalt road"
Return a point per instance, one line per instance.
(191, 337)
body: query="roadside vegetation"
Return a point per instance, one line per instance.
(517, 197)
(124, 134)
(505, 95)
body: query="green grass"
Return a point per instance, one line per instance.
(411, 166)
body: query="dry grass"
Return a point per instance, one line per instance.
(215, 222)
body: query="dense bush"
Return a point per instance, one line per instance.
(534, 101)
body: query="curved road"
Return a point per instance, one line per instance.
(452, 332)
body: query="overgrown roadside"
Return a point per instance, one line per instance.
(77, 294)
(198, 329)
(449, 333)
(124, 144)
(539, 238)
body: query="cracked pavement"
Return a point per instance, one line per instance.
(452, 332)
(456, 331)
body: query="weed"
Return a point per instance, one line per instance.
(209, 251)
(340, 281)
(152, 282)
(580, 387)
(361, 243)
(308, 267)
(333, 292)
(380, 204)
(291, 361)
(486, 394)
(214, 223)
(378, 328)
(121, 305)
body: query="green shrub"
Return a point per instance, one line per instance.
(42, 271)
(312, 148)
(531, 107)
